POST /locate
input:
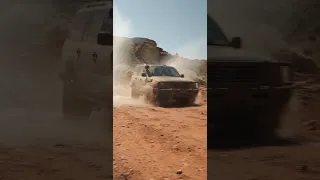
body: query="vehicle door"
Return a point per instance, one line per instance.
(73, 46)
(99, 58)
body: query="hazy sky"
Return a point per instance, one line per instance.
(176, 25)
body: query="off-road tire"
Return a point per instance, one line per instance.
(162, 102)
(134, 94)
(73, 105)
(189, 101)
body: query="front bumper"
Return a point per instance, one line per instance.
(229, 100)
(175, 93)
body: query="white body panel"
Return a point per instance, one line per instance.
(94, 75)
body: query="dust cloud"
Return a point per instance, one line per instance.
(30, 107)
(121, 89)
(290, 125)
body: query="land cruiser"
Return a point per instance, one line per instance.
(240, 84)
(162, 85)
(88, 60)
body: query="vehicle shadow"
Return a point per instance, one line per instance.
(236, 140)
(222, 143)
(179, 105)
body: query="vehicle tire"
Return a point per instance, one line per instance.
(161, 102)
(134, 94)
(268, 124)
(72, 105)
(186, 101)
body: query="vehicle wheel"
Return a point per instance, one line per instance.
(186, 101)
(134, 94)
(72, 105)
(268, 125)
(162, 102)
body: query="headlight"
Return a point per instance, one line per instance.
(285, 73)
(195, 85)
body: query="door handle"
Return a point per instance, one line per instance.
(78, 51)
(94, 57)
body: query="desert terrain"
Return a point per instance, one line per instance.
(149, 142)
(155, 143)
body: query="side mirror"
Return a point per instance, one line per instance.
(105, 39)
(182, 75)
(144, 75)
(236, 42)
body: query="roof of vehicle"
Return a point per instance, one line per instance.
(152, 65)
(97, 5)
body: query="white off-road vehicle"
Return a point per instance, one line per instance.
(88, 60)
(241, 84)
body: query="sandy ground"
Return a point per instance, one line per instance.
(154, 143)
(53, 149)
(35, 142)
(297, 158)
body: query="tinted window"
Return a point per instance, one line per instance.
(95, 25)
(79, 24)
(164, 71)
(107, 25)
(215, 35)
(103, 27)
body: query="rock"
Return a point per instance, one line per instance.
(179, 171)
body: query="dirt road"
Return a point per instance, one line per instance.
(154, 143)
(298, 158)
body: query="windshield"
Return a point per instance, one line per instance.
(215, 35)
(107, 24)
(164, 71)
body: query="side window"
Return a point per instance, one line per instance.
(95, 26)
(79, 25)
(102, 22)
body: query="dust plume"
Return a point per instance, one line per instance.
(187, 61)
(290, 125)
(121, 68)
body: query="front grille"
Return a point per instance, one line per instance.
(180, 85)
(228, 73)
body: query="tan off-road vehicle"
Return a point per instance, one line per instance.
(162, 85)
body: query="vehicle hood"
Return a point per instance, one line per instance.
(170, 79)
(221, 54)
